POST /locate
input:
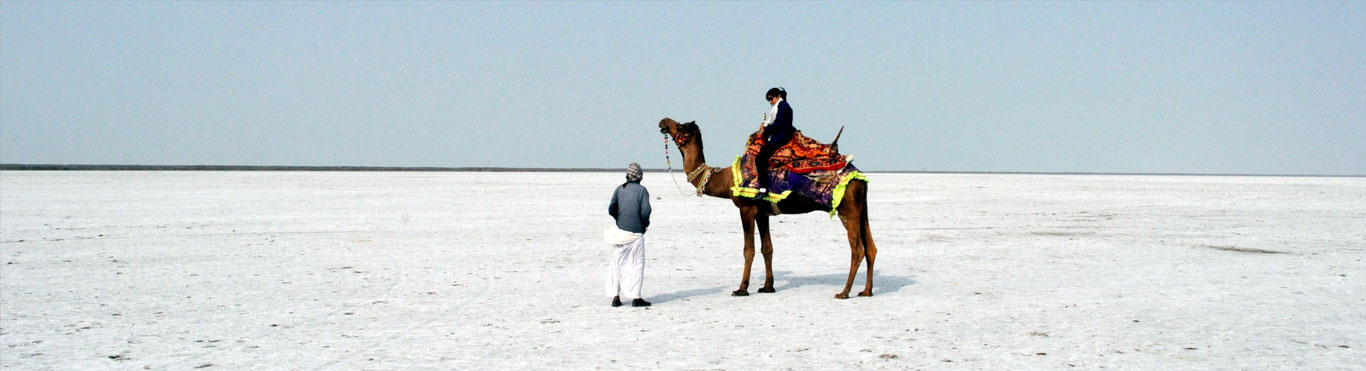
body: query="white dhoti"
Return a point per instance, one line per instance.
(626, 271)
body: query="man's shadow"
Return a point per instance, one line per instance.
(684, 294)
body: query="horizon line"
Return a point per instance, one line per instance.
(80, 167)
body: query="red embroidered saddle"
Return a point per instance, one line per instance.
(801, 155)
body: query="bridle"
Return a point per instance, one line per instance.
(680, 139)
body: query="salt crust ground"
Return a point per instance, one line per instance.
(391, 271)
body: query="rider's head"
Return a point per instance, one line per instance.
(774, 94)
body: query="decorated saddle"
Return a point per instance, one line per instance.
(801, 154)
(804, 167)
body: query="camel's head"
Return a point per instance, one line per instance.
(680, 132)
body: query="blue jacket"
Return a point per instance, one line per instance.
(631, 207)
(781, 130)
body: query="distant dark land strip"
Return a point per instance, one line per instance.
(53, 167)
(289, 168)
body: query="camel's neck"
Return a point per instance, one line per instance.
(713, 183)
(692, 155)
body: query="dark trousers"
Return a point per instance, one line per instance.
(761, 160)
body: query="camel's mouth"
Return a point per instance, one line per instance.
(666, 125)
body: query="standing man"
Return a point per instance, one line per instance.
(631, 208)
(777, 131)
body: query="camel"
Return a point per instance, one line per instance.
(716, 182)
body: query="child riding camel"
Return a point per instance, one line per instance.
(777, 131)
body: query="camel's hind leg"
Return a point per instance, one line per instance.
(870, 249)
(851, 225)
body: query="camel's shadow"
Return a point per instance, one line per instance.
(784, 280)
(882, 284)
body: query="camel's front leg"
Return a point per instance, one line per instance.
(765, 248)
(747, 219)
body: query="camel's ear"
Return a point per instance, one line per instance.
(691, 127)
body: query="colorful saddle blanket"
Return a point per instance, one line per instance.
(802, 154)
(826, 187)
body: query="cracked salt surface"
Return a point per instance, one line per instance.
(394, 270)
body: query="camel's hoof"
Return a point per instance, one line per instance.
(865, 293)
(739, 293)
(767, 290)
(841, 296)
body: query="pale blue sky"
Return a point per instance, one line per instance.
(1179, 87)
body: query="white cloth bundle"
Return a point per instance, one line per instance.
(617, 237)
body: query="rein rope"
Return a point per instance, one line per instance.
(671, 166)
(703, 171)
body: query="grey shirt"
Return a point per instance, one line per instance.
(631, 207)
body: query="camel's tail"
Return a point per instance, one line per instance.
(835, 144)
(866, 231)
